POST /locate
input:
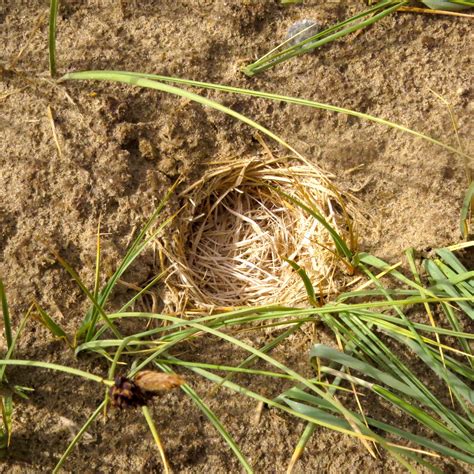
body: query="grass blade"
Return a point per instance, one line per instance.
(53, 15)
(300, 446)
(156, 437)
(419, 440)
(326, 352)
(341, 246)
(438, 279)
(78, 437)
(306, 281)
(466, 211)
(137, 80)
(6, 403)
(211, 416)
(57, 367)
(425, 419)
(107, 75)
(373, 14)
(48, 322)
(89, 295)
(7, 400)
(6, 315)
(88, 326)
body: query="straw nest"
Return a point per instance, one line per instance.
(238, 230)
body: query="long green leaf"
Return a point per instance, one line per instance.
(212, 417)
(7, 400)
(78, 437)
(7, 327)
(48, 322)
(426, 419)
(126, 77)
(137, 80)
(6, 403)
(326, 352)
(306, 281)
(420, 440)
(57, 367)
(53, 15)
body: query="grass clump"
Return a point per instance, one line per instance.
(373, 339)
(7, 390)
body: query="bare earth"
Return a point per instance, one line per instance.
(122, 147)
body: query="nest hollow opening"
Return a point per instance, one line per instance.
(240, 228)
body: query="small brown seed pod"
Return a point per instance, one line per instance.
(151, 382)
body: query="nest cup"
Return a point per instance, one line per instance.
(238, 229)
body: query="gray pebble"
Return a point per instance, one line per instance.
(313, 28)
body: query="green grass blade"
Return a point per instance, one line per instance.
(297, 377)
(461, 390)
(78, 437)
(224, 368)
(143, 291)
(462, 281)
(459, 270)
(268, 347)
(142, 240)
(275, 52)
(467, 3)
(383, 321)
(135, 80)
(370, 344)
(97, 264)
(212, 417)
(266, 95)
(89, 295)
(334, 423)
(12, 346)
(53, 15)
(450, 259)
(244, 346)
(466, 210)
(341, 246)
(317, 417)
(6, 315)
(383, 357)
(6, 403)
(425, 419)
(301, 445)
(156, 437)
(7, 400)
(451, 5)
(419, 440)
(57, 367)
(48, 322)
(325, 352)
(439, 280)
(306, 281)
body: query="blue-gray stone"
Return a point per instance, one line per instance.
(312, 27)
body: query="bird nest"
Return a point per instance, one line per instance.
(242, 224)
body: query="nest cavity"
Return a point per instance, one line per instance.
(239, 229)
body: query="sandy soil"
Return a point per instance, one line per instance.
(121, 147)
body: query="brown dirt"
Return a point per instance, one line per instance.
(122, 146)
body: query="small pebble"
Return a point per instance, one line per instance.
(313, 27)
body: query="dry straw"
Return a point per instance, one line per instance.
(230, 245)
